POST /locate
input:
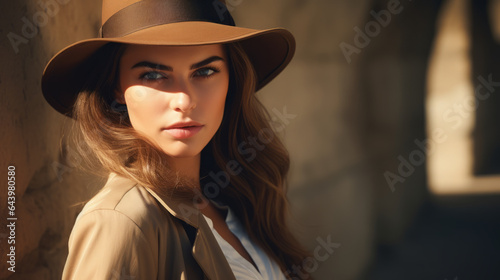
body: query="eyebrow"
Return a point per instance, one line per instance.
(158, 66)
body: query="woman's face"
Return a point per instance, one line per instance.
(175, 95)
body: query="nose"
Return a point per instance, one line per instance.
(183, 100)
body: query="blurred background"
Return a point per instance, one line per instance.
(390, 110)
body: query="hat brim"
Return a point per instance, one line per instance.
(269, 51)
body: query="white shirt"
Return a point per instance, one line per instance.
(243, 269)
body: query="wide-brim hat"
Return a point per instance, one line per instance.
(164, 22)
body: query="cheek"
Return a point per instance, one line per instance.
(219, 95)
(136, 95)
(216, 103)
(142, 106)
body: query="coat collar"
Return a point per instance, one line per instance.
(206, 250)
(181, 209)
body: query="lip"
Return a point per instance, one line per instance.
(183, 130)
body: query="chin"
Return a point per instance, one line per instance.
(181, 153)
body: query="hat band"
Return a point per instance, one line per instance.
(149, 13)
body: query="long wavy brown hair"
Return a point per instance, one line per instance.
(256, 192)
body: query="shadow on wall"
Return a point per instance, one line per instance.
(455, 235)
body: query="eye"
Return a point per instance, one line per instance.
(152, 76)
(206, 72)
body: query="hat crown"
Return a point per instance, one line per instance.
(123, 17)
(110, 7)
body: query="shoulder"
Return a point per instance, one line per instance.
(126, 205)
(115, 233)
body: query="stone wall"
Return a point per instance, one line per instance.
(47, 182)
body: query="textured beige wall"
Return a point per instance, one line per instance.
(31, 133)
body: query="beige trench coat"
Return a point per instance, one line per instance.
(128, 232)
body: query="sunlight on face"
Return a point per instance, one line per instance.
(175, 95)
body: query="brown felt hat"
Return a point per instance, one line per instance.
(164, 22)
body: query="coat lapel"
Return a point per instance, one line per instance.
(206, 250)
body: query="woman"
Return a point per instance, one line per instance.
(165, 101)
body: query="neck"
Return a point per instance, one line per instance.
(188, 167)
